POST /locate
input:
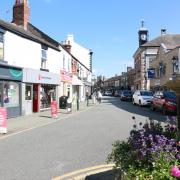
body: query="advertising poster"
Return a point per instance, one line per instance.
(3, 121)
(54, 109)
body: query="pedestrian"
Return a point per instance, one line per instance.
(99, 96)
(69, 104)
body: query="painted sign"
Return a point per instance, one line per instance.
(66, 76)
(3, 120)
(151, 73)
(54, 109)
(12, 73)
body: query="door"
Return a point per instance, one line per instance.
(28, 99)
(1, 94)
(35, 97)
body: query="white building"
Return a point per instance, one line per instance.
(38, 56)
(84, 56)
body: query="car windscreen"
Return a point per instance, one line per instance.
(146, 93)
(170, 95)
(127, 92)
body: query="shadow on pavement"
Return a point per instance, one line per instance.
(135, 109)
(107, 175)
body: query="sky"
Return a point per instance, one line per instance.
(108, 27)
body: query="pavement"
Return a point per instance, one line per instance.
(24, 123)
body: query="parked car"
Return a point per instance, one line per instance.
(108, 93)
(164, 101)
(117, 93)
(142, 97)
(126, 95)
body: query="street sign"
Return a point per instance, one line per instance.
(151, 73)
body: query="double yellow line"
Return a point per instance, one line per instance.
(82, 173)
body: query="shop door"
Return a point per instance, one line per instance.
(1, 94)
(35, 98)
(28, 100)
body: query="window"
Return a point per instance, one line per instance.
(11, 94)
(63, 61)
(68, 64)
(43, 56)
(1, 46)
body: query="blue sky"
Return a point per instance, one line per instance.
(108, 27)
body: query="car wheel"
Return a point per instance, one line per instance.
(140, 104)
(152, 107)
(164, 110)
(133, 102)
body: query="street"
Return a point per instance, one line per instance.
(82, 140)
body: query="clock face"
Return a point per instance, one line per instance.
(143, 37)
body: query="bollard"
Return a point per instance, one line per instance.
(78, 104)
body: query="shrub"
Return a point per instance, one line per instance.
(149, 152)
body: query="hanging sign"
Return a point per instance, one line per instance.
(3, 120)
(151, 73)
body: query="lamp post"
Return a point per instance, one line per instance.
(174, 84)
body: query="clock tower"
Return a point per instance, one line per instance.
(143, 34)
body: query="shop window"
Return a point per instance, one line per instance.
(1, 46)
(11, 94)
(47, 94)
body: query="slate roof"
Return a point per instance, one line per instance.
(170, 40)
(31, 33)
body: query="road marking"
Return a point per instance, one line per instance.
(84, 172)
(42, 125)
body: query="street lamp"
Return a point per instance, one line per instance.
(174, 84)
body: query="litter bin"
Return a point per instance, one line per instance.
(63, 102)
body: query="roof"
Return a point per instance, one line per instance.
(170, 41)
(31, 33)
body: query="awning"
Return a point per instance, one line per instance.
(76, 81)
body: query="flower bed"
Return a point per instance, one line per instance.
(150, 152)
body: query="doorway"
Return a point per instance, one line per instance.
(35, 97)
(28, 99)
(1, 94)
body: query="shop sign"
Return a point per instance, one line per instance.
(66, 76)
(3, 120)
(151, 73)
(40, 77)
(10, 73)
(54, 109)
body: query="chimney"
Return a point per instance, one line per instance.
(163, 31)
(21, 13)
(68, 46)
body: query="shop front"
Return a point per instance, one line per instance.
(10, 89)
(41, 88)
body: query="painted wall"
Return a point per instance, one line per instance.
(22, 52)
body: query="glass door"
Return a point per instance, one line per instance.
(1, 93)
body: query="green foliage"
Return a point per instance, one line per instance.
(148, 154)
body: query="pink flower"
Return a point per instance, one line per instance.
(175, 171)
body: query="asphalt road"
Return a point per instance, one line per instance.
(80, 141)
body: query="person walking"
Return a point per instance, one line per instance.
(99, 96)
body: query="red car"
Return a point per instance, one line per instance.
(164, 101)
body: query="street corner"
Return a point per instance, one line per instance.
(104, 172)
